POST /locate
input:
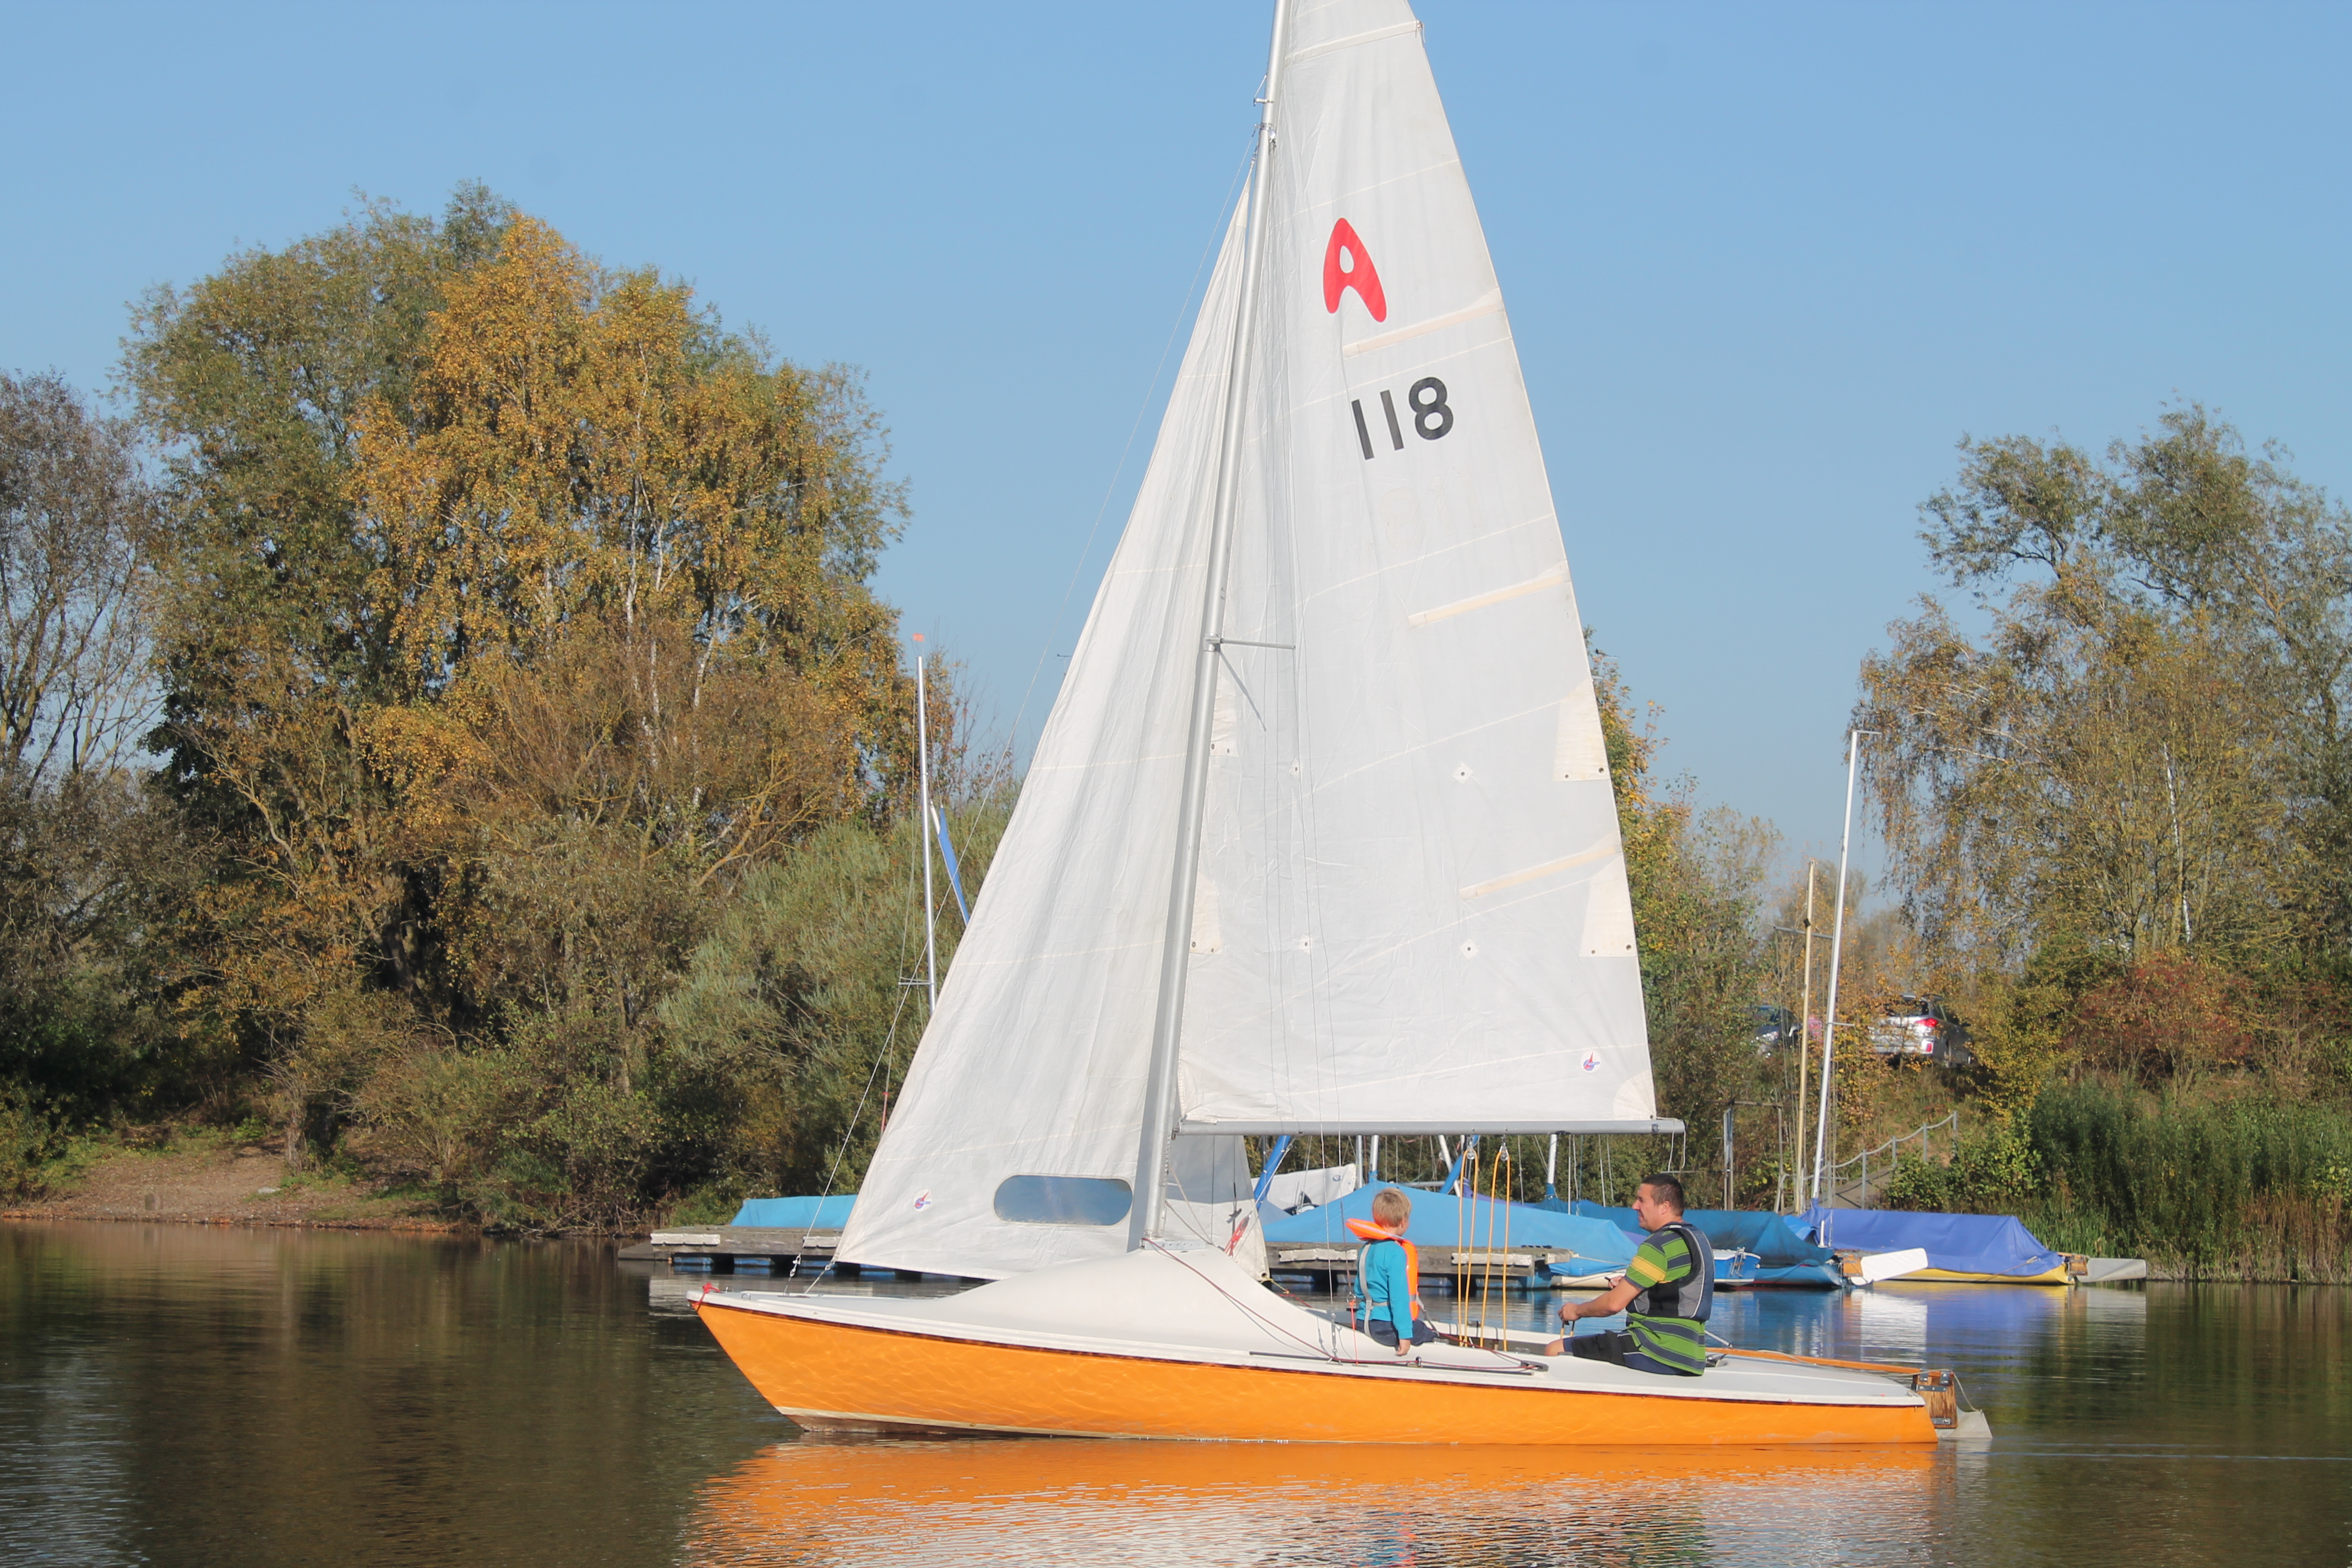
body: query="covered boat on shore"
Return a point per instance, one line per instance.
(1781, 1255)
(797, 1212)
(1319, 838)
(1576, 1245)
(1965, 1248)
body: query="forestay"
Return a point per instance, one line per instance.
(1411, 909)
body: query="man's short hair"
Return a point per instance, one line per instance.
(1665, 1189)
(1390, 1208)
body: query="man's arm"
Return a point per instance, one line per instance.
(1607, 1304)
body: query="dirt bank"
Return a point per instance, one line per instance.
(222, 1184)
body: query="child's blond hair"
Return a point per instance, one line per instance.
(1391, 1208)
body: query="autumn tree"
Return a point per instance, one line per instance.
(515, 611)
(2141, 767)
(77, 538)
(84, 859)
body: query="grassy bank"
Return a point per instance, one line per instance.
(215, 1175)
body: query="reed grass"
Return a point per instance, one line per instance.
(2204, 1187)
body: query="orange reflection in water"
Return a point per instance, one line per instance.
(1054, 1501)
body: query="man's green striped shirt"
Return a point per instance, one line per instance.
(1677, 1342)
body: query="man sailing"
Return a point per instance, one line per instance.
(1666, 1293)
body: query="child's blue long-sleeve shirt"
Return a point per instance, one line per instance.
(1381, 1281)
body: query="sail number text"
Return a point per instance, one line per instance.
(1431, 418)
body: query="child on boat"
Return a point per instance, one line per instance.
(1387, 1272)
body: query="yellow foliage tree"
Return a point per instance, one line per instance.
(514, 606)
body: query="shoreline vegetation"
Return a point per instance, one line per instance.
(453, 757)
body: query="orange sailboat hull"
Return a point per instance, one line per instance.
(829, 1375)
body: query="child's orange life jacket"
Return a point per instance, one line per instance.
(1371, 1231)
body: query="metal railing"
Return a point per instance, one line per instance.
(1871, 1168)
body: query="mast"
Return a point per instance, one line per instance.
(1167, 1018)
(1804, 1024)
(923, 785)
(1837, 950)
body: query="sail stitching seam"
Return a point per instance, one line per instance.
(1389, 568)
(1436, 744)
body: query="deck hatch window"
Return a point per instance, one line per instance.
(1062, 1200)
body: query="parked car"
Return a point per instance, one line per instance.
(1922, 1028)
(1775, 1027)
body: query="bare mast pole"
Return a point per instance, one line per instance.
(1837, 950)
(923, 785)
(1805, 1022)
(1167, 1023)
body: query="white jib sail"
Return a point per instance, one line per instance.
(1411, 910)
(1034, 1064)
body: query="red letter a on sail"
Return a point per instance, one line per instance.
(1358, 274)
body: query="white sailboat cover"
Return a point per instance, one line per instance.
(1411, 910)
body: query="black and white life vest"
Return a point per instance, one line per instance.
(1693, 1298)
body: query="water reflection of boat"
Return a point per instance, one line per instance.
(1155, 1504)
(1993, 1315)
(1319, 838)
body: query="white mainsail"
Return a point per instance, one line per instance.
(1411, 912)
(1421, 913)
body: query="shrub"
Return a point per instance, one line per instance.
(1993, 1173)
(2163, 1015)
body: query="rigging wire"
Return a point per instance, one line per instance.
(1216, 235)
(849, 1134)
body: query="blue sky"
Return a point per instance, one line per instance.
(1766, 264)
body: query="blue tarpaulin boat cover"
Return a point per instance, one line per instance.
(1436, 1219)
(1962, 1242)
(1782, 1257)
(798, 1214)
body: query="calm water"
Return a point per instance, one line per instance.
(175, 1394)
